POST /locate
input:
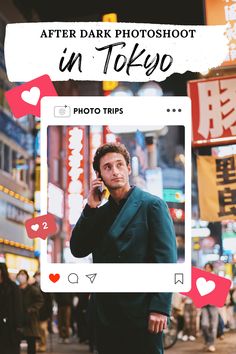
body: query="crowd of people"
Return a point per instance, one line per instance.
(28, 314)
(209, 321)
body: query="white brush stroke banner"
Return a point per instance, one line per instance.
(158, 50)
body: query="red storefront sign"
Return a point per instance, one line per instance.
(213, 110)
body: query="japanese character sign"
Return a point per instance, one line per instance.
(217, 187)
(213, 110)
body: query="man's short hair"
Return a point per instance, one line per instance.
(107, 148)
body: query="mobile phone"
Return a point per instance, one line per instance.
(99, 189)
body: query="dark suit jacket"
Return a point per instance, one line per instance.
(143, 232)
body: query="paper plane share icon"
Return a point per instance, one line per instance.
(91, 277)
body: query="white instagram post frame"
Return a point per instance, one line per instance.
(117, 277)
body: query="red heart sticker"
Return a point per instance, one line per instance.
(54, 277)
(25, 98)
(208, 288)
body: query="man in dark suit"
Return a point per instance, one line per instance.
(132, 227)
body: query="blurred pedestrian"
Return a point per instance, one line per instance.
(209, 320)
(190, 320)
(91, 316)
(10, 313)
(178, 312)
(45, 315)
(73, 317)
(230, 303)
(234, 306)
(82, 317)
(32, 302)
(64, 303)
(220, 328)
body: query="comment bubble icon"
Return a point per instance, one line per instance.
(73, 278)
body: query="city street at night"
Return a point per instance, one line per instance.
(225, 346)
(117, 177)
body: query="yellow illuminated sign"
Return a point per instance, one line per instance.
(15, 263)
(112, 17)
(37, 178)
(109, 85)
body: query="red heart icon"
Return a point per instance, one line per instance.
(54, 277)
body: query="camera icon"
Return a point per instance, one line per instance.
(62, 111)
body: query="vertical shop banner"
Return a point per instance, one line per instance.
(109, 86)
(95, 140)
(213, 110)
(217, 187)
(75, 173)
(223, 12)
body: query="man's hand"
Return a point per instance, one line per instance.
(157, 322)
(95, 196)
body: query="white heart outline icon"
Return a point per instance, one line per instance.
(204, 286)
(31, 96)
(35, 227)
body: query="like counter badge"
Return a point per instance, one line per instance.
(41, 226)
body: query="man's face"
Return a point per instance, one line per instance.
(114, 170)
